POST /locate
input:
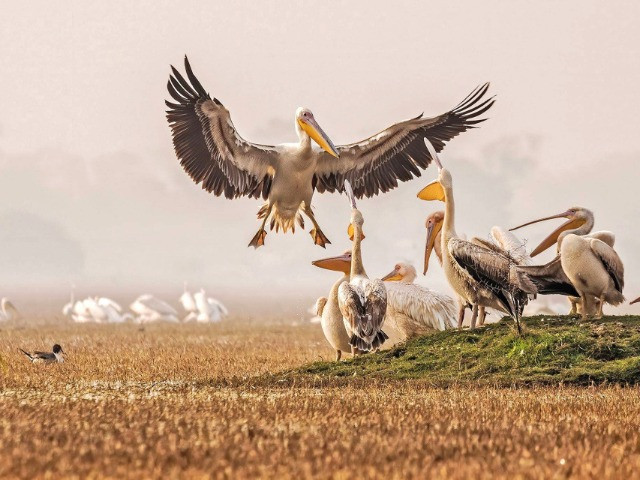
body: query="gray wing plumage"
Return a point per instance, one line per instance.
(550, 278)
(208, 146)
(364, 312)
(494, 271)
(376, 164)
(611, 261)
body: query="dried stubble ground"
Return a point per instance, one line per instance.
(168, 401)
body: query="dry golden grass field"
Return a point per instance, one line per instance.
(178, 401)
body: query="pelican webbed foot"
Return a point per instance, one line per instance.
(319, 238)
(258, 239)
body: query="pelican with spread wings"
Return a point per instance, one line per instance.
(214, 154)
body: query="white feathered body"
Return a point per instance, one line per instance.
(593, 267)
(415, 310)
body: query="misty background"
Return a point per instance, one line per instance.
(92, 194)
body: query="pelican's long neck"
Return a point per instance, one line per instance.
(357, 269)
(583, 229)
(448, 226)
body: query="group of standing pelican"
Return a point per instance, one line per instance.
(483, 274)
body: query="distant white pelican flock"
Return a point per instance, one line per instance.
(145, 309)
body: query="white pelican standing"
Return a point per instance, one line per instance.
(580, 221)
(188, 304)
(209, 309)
(213, 153)
(328, 308)
(363, 302)
(151, 309)
(8, 310)
(480, 276)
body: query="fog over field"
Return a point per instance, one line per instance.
(92, 194)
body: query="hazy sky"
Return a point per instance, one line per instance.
(92, 193)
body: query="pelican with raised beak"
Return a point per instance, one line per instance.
(214, 154)
(480, 276)
(580, 221)
(362, 302)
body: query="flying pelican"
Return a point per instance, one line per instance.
(481, 276)
(580, 221)
(151, 309)
(212, 152)
(8, 310)
(363, 302)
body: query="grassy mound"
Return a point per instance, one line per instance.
(553, 350)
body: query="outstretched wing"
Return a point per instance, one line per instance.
(611, 261)
(209, 148)
(550, 278)
(376, 164)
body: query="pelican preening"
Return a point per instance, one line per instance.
(362, 302)
(213, 153)
(587, 259)
(480, 276)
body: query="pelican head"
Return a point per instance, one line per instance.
(341, 263)
(433, 225)
(402, 272)
(576, 218)
(306, 125)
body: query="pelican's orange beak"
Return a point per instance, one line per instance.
(341, 263)
(312, 128)
(552, 239)
(433, 191)
(392, 276)
(432, 233)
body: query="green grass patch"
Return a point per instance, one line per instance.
(552, 350)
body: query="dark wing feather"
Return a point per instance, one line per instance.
(495, 271)
(376, 303)
(376, 164)
(209, 148)
(611, 261)
(550, 278)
